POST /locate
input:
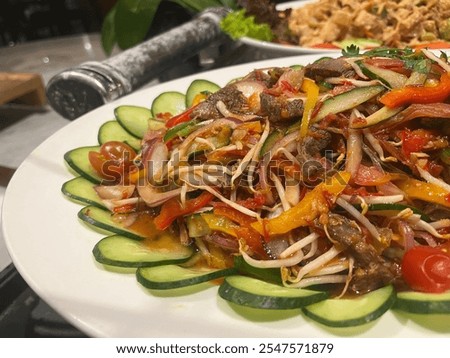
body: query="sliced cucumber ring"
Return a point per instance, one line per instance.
(136, 120)
(112, 130)
(118, 250)
(78, 160)
(82, 190)
(423, 303)
(102, 219)
(247, 291)
(173, 276)
(169, 102)
(198, 86)
(349, 312)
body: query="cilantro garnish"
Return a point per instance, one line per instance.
(351, 51)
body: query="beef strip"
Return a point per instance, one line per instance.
(334, 67)
(372, 271)
(310, 154)
(279, 108)
(234, 101)
(316, 141)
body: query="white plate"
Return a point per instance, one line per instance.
(51, 249)
(272, 49)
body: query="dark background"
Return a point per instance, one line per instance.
(28, 20)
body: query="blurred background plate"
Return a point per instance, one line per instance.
(270, 49)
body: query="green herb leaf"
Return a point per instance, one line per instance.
(129, 21)
(236, 24)
(108, 31)
(351, 51)
(445, 155)
(422, 66)
(133, 19)
(389, 52)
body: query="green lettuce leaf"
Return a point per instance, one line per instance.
(236, 24)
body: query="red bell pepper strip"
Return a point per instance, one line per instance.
(180, 118)
(418, 94)
(252, 238)
(173, 209)
(234, 215)
(436, 45)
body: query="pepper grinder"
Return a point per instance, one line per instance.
(81, 89)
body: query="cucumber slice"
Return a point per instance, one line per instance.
(112, 130)
(78, 160)
(349, 312)
(250, 292)
(82, 190)
(362, 43)
(181, 130)
(383, 114)
(423, 303)
(102, 219)
(197, 226)
(390, 78)
(197, 87)
(266, 274)
(121, 251)
(390, 209)
(173, 276)
(136, 120)
(169, 102)
(347, 100)
(273, 137)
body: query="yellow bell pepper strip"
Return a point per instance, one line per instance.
(312, 95)
(173, 209)
(220, 223)
(313, 204)
(199, 97)
(429, 192)
(418, 94)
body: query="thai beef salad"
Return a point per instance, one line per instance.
(324, 187)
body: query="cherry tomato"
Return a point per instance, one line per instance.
(113, 161)
(427, 269)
